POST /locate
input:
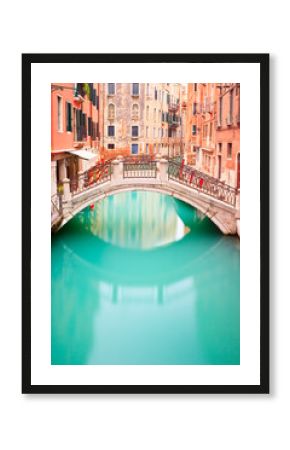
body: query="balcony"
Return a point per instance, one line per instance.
(173, 121)
(173, 106)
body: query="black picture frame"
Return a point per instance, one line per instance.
(263, 61)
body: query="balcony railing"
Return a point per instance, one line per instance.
(173, 121)
(173, 106)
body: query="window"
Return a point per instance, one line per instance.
(147, 112)
(94, 94)
(59, 114)
(111, 130)
(154, 115)
(220, 147)
(135, 111)
(68, 116)
(231, 105)
(210, 130)
(111, 111)
(155, 93)
(147, 132)
(111, 89)
(194, 108)
(135, 89)
(94, 135)
(135, 131)
(220, 110)
(78, 131)
(134, 149)
(229, 150)
(153, 132)
(193, 130)
(147, 149)
(111, 146)
(148, 89)
(195, 87)
(90, 126)
(84, 125)
(81, 125)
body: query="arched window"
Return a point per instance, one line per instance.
(111, 111)
(135, 111)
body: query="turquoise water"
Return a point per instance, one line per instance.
(144, 279)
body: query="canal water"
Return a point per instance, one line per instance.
(143, 278)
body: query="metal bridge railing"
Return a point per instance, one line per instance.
(99, 174)
(197, 180)
(140, 169)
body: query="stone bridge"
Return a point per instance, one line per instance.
(208, 195)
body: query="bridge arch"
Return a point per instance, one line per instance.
(205, 208)
(214, 199)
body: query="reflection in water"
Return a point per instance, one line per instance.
(135, 220)
(121, 296)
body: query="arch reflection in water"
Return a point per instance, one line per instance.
(126, 298)
(137, 219)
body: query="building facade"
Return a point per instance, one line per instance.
(213, 130)
(74, 130)
(94, 122)
(139, 119)
(122, 121)
(227, 166)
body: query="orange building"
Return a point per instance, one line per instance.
(200, 129)
(227, 167)
(213, 130)
(74, 129)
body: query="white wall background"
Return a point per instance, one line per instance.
(142, 422)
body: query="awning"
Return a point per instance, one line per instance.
(83, 154)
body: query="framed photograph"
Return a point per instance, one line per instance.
(145, 234)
